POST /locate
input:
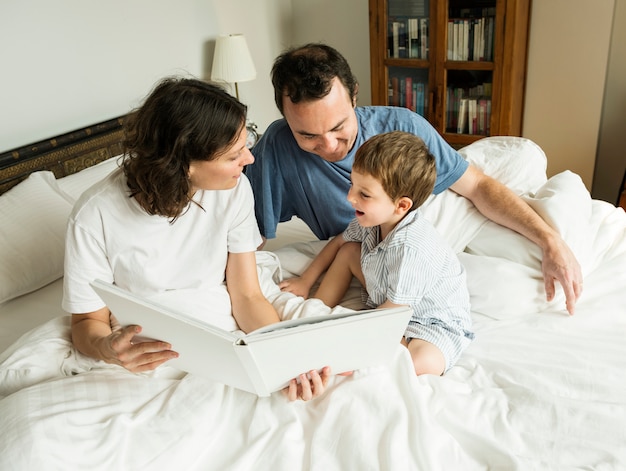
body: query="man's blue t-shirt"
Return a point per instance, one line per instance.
(288, 181)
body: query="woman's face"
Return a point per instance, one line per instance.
(223, 172)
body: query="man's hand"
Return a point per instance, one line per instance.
(560, 264)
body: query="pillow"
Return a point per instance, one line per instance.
(74, 185)
(34, 215)
(455, 218)
(503, 289)
(564, 203)
(516, 162)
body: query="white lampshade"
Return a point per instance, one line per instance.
(232, 61)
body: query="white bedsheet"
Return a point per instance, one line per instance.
(536, 390)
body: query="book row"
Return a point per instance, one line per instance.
(408, 93)
(408, 38)
(467, 114)
(470, 39)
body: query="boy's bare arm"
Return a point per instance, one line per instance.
(301, 285)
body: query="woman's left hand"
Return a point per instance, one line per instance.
(310, 386)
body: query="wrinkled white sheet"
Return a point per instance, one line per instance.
(536, 390)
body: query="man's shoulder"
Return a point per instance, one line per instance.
(375, 111)
(389, 118)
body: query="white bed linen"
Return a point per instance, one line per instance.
(536, 390)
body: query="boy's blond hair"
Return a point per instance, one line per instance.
(401, 162)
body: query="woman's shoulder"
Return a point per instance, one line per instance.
(102, 193)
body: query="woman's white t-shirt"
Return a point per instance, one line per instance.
(181, 264)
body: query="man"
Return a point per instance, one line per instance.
(303, 161)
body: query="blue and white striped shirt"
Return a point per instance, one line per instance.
(414, 266)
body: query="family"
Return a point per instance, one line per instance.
(191, 204)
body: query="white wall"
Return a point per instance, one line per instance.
(611, 159)
(567, 64)
(343, 25)
(70, 63)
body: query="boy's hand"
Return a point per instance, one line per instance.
(297, 286)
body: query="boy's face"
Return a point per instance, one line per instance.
(372, 205)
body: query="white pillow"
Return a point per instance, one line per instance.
(504, 289)
(516, 162)
(564, 203)
(74, 185)
(455, 218)
(34, 215)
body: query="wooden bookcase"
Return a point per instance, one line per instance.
(443, 57)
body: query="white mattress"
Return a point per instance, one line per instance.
(537, 389)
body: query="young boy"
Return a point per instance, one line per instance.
(396, 254)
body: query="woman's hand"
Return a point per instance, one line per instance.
(309, 386)
(99, 335)
(122, 348)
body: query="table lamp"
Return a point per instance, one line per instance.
(232, 61)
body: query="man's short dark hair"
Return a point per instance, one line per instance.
(306, 73)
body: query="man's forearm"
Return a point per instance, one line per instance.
(501, 205)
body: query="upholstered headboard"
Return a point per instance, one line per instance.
(63, 155)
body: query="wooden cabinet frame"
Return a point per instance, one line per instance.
(508, 67)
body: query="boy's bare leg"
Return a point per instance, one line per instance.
(337, 279)
(427, 359)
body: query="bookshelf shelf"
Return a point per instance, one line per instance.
(466, 65)
(464, 59)
(406, 63)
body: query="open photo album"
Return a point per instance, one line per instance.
(265, 360)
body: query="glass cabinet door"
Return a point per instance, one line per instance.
(468, 102)
(468, 74)
(459, 63)
(408, 23)
(408, 87)
(407, 54)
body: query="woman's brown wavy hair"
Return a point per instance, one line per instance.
(182, 120)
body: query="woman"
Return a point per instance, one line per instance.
(175, 222)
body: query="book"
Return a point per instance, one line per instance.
(420, 101)
(408, 93)
(461, 125)
(395, 91)
(482, 116)
(423, 38)
(265, 360)
(472, 116)
(395, 34)
(414, 40)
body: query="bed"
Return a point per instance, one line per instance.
(536, 390)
